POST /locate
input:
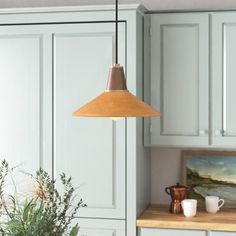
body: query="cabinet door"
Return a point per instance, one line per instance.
(179, 79)
(223, 82)
(221, 233)
(90, 227)
(91, 150)
(168, 232)
(25, 139)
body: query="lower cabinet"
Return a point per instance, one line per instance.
(221, 233)
(181, 232)
(168, 232)
(97, 227)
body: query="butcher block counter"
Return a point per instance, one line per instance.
(157, 216)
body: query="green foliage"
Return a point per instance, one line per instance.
(48, 213)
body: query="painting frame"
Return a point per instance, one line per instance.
(210, 155)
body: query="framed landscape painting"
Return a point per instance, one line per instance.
(210, 173)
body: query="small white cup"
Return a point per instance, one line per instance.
(213, 203)
(189, 207)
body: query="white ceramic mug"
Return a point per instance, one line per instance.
(213, 203)
(189, 207)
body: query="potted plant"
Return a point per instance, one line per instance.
(49, 212)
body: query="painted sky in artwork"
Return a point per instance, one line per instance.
(218, 168)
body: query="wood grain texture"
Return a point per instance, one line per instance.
(157, 216)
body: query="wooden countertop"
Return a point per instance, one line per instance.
(159, 217)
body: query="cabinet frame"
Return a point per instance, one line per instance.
(158, 136)
(216, 132)
(136, 187)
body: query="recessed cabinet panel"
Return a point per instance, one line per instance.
(223, 79)
(229, 81)
(179, 79)
(20, 99)
(179, 61)
(168, 232)
(22, 50)
(91, 150)
(101, 227)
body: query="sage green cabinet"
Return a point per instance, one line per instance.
(25, 134)
(101, 155)
(181, 232)
(53, 61)
(99, 227)
(223, 83)
(168, 232)
(193, 79)
(91, 150)
(221, 233)
(179, 79)
(43, 124)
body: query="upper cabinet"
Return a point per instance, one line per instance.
(179, 79)
(53, 61)
(193, 79)
(223, 79)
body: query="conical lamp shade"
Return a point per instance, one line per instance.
(116, 101)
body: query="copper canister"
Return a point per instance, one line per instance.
(178, 193)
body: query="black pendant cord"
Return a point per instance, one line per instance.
(116, 36)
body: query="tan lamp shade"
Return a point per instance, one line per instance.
(116, 101)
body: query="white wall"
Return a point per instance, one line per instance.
(165, 171)
(150, 4)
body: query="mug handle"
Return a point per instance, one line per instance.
(166, 190)
(221, 204)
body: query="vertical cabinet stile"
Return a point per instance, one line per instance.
(223, 79)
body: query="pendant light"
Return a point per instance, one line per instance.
(116, 101)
